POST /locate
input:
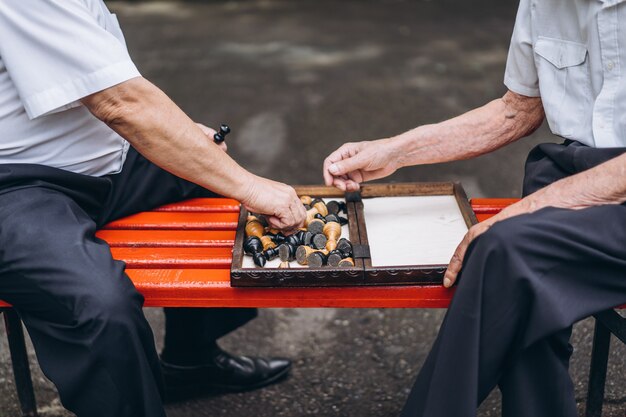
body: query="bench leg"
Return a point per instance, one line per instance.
(597, 371)
(19, 358)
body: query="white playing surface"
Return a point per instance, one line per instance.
(422, 230)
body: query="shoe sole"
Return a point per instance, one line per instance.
(175, 394)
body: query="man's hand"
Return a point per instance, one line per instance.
(354, 163)
(600, 185)
(210, 133)
(279, 202)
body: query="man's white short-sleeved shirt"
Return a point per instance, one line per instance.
(52, 54)
(572, 53)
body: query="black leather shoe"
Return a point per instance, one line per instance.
(224, 373)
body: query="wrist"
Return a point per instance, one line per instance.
(244, 187)
(396, 148)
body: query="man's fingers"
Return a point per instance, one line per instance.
(456, 263)
(453, 270)
(346, 166)
(331, 159)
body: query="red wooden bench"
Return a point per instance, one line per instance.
(179, 255)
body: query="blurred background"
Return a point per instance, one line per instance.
(295, 79)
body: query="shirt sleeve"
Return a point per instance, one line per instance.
(520, 75)
(56, 52)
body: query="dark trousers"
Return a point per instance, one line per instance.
(523, 284)
(81, 310)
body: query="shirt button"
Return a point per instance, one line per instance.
(610, 66)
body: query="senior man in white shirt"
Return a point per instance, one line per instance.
(85, 139)
(559, 255)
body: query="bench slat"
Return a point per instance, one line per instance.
(158, 258)
(206, 205)
(168, 238)
(177, 221)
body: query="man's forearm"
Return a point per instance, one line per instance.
(158, 129)
(474, 133)
(602, 184)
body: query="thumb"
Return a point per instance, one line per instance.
(346, 166)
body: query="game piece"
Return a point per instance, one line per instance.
(334, 207)
(303, 252)
(337, 219)
(254, 228)
(344, 246)
(306, 200)
(316, 226)
(307, 239)
(319, 241)
(267, 242)
(334, 257)
(219, 137)
(348, 262)
(252, 245)
(318, 207)
(287, 252)
(271, 253)
(284, 265)
(316, 259)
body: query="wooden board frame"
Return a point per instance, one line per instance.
(409, 274)
(297, 277)
(363, 273)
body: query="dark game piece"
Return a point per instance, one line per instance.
(252, 245)
(287, 252)
(336, 219)
(344, 246)
(271, 254)
(300, 236)
(335, 257)
(221, 135)
(319, 241)
(316, 260)
(279, 238)
(334, 207)
(259, 259)
(293, 240)
(307, 239)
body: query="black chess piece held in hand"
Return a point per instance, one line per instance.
(221, 135)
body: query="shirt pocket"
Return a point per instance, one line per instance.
(564, 84)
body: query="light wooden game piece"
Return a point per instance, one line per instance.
(255, 228)
(267, 242)
(284, 265)
(303, 252)
(306, 200)
(332, 231)
(318, 208)
(346, 262)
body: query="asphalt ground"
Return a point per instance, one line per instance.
(295, 79)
